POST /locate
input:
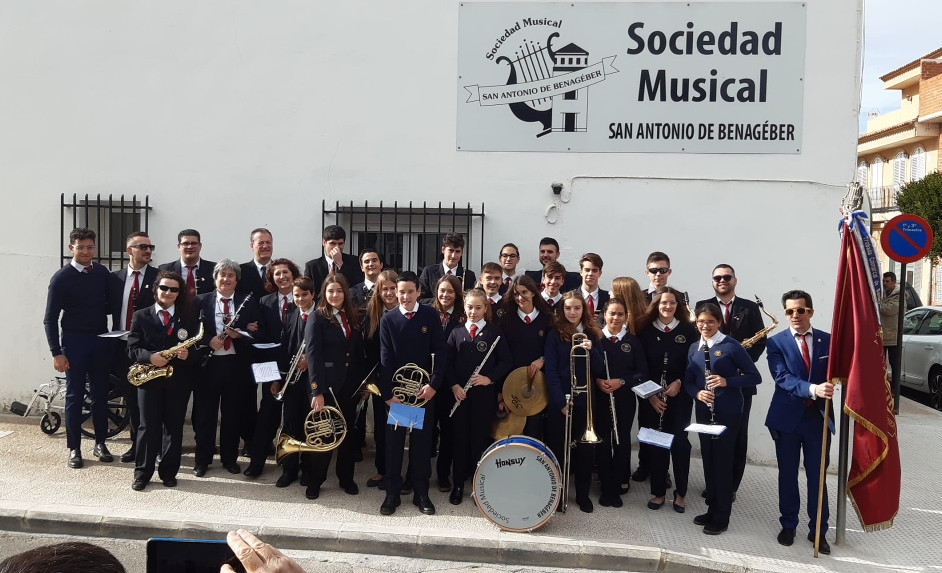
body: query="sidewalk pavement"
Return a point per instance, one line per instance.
(39, 493)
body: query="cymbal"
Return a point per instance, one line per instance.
(520, 398)
(509, 425)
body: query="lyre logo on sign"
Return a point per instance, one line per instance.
(544, 84)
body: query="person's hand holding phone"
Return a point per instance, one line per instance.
(257, 556)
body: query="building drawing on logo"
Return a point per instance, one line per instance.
(570, 108)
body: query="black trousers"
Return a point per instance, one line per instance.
(718, 456)
(345, 451)
(420, 454)
(471, 427)
(90, 360)
(120, 368)
(614, 460)
(380, 414)
(742, 442)
(266, 426)
(583, 455)
(444, 400)
(297, 405)
(647, 418)
(676, 418)
(163, 413)
(220, 389)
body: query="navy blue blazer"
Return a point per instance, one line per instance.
(149, 335)
(333, 361)
(145, 295)
(317, 271)
(360, 295)
(465, 353)
(269, 324)
(430, 275)
(204, 274)
(727, 359)
(556, 368)
(793, 381)
(404, 341)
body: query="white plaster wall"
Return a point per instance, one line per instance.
(235, 114)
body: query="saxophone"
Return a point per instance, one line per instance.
(140, 373)
(747, 343)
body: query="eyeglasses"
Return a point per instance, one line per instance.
(83, 247)
(659, 270)
(189, 244)
(707, 323)
(509, 256)
(800, 310)
(668, 303)
(144, 247)
(166, 288)
(721, 278)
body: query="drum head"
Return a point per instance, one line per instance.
(516, 484)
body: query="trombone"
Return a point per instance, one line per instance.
(579, 341)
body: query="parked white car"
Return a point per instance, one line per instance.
(922, 352)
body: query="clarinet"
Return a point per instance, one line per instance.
(225, 332)
(707, 374)
(660, 422)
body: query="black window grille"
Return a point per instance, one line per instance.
(409, 236)
(112, 219)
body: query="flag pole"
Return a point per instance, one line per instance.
(824, 457)
(843, 443)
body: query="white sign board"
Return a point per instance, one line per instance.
(631, 77)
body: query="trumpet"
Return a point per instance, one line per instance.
(660, 422)
(749, 342)
(293, 373)
(611, 403)
(579, 340)
(323, 432)
(477, 370)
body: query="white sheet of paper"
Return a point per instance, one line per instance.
(266, 345)
(266, 372)
(245, 334)
(647, 389)
(122, 334)
(655, 438)
(712, 429)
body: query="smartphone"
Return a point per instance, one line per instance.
(165, 555)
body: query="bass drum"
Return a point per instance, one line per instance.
(517, 484)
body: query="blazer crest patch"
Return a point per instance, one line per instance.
(481, 346)
(182, 334)
(680, 339)
(717, 353)
(625, 347)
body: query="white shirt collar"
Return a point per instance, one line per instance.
(196, 266)
(524, 315)
(132, 270)
(505, 276)
(231, 297)
(157, 310)
(608, 333)
(445, 269)
(795, 332)
(78, 267)
(403, 309)
(495, 298)
(555, 299)
(480, 324)
(258, 265)
(579, 327)
(368, 283)
(586, 294)
(722, 304)
(660, 325)
(716, 338)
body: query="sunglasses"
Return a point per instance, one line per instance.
(166, 288)
(659, 270)
(721, 278)
(144, 247)
(800, 310)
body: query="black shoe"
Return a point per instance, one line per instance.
(605, 500)
(823, 546)
(734, 496)
(389, 505)
(199, 470)
(138, 485)
(286, 479)
(232, 468)
(444, 484)
(170, 482)
(624, 488)
(305, 480)
(786, 537)
(351, 488)
(128, 456)
(101, 452)
(703, 494)
(75, 459)
(714, 529)
(703, 518)
(616, 500)
(585, 504)
(312, 492)
(406, 488)
(252, 471)
(678, 508)
(640, 474)
(456, 496)
(655, 505)
(373, 482)
(424, 504)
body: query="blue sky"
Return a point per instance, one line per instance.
(896, 32)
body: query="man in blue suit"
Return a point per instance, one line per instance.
(798, 361)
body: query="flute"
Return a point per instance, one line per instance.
(611, 402)
(477, 370)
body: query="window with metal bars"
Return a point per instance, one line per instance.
(409, 236)
(112, 219)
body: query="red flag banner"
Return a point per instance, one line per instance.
(856, 361)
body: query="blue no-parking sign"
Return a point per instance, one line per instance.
(906, 238)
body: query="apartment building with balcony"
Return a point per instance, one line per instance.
(903, 146)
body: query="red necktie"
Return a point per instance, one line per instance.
(88, 269)
(474, 330)
(131, 298)
(304, 317)
(615, 339)
(227, 343)
(444, 318)
(726, 313)
(805, 354)
(667, 329)
(346, 325)
(165, 318)
(551, 302)
(409, 315)
(507, 282)
(284, 309)
(332, 268)
(526, 319)
(191, 282)
(590, 304)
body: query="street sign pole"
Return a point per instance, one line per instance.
(898, 355)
